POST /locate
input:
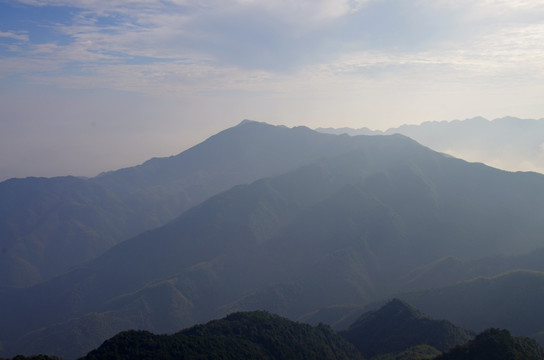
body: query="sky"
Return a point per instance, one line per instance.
(93, 85)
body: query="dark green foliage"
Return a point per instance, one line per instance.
(496, 344)
(397, 326)
(255, 335)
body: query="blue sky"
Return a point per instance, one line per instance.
(94, 85)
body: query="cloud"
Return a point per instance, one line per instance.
(143, 45)
(20, 35)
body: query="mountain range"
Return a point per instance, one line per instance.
(49, 225)
(507, 143)
(337, 221)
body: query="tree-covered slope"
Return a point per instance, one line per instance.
(398, 326)
(255, 335)
(496, 344)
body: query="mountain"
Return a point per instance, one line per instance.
(398, 326)
(511, 300)
(496, 344)
(254, 335)
(49, 225)
(451, 270)
(346, 228)
(507, 143)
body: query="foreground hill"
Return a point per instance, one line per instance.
(255, 335)
(397, 326)
(496, 344)
(490, 344)
(344, 229)
(48, 225)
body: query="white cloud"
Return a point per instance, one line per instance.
(19, 35)
(249, 45)
(184, 46)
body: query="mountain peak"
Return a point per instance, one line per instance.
(247, 121)
(396, 309)
(397, 325)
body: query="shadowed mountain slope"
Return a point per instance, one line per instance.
(451, 270)
(397, 326)
(48, 225)
(512, 300)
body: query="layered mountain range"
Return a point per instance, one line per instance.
(507, 143)
(48, 225)
(316, 222)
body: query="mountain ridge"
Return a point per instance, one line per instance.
(42, 217)
(345, 228)
(507, 143)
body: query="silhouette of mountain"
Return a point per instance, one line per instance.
(507, 143)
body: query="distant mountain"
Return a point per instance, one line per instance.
(346, 228)
(512, 300)
(496, 344)
(450, 270)
(441, 273)
(398, 326)
(507, 143)
(255, 335)
(48, 225)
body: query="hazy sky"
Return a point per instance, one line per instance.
(93, 85)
